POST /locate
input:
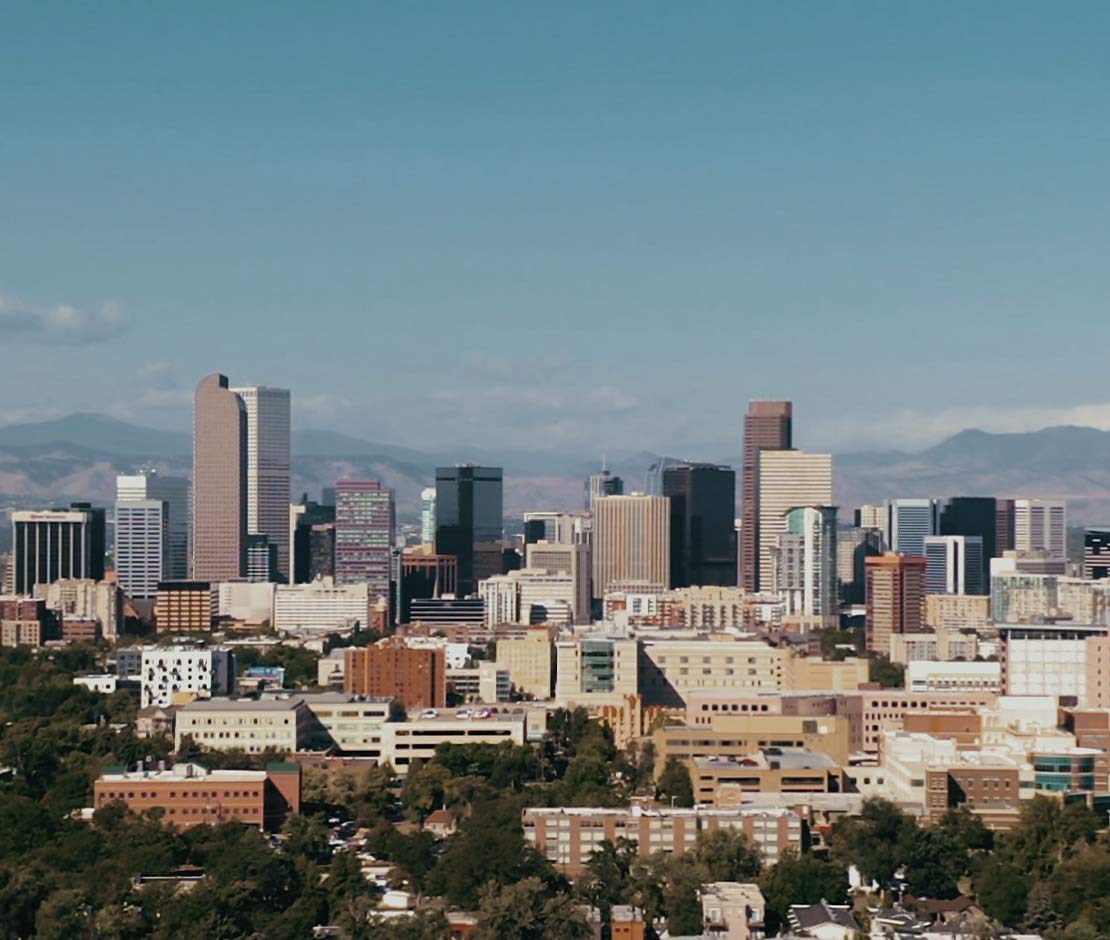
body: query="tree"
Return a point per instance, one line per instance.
(800, 879)
(1002, 892)
(529, 910)
(934, 863)
(877, 841)
(889, 675)
(674, 783)
(65, 915)
(307, 838)
(725, 855)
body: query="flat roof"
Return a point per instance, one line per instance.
(183, 773)
(244, 704)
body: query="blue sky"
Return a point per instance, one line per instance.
(563, 226)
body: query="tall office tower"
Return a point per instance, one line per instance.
(786, 479)
(632, 537)
(954, 565)
(57, 544)
(803, 562)
(1004, 527)
(895, 598)
(469, 521)
(1096, 552)
(428, 515)
(973, 515)
(570, 559)
(853, 546)
(703, 524)
(871, 517)
(909, 522)
(303, 519)
(268, 433)
(1042, 525)
(602, 484)
(148, 483)
(364, 532)
(261, 558)
(219, 542)
(768, 426)
(142, 546)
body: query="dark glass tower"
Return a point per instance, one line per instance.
(768, 425)
(972, 515)
(469, 521)
(703, 524)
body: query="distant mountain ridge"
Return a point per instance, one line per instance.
(79, 455)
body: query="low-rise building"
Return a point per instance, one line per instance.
(417, 739)
(184, 606)
(724, 781)
(739, 735)
(321, 606)
(251, 725)
(189, 795)
(957, 612)
(943, 644)
(529, 661)
(568, 836)
(353, 723)
(929, 676)
(732, 910)
(175, 675)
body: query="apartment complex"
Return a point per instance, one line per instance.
(895, 592)
(414, 677)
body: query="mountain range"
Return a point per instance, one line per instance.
(79, 456)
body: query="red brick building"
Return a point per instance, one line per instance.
(190, 795)
(416, 677)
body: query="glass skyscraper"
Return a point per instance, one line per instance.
(469, 521)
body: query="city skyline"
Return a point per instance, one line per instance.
(800, 212)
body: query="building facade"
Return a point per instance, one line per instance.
(219, 542)
(631, 541)
(415, 677)
(703, 524)
(768, 425)
(149, 484)
(909, 522)
(364, 535)
(895, 598)
(268, 469)
(469, 521)
(56, 544)
(954, 565)
(787, 479)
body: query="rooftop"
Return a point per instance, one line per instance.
(181, 772)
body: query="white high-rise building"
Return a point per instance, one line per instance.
(428, 515)
(184, 673)
(149, 484)
(1041, 525)
(909, 522)
(142, 546)
(787, 479)
(268, 460)
(803, 562)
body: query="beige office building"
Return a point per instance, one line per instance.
(565, 559)
(957, 611)
(787, 479)
(219, 482)
(632, 536)
(529, 661)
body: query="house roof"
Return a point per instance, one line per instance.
(809, 916)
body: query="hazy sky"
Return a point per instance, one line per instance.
(560, 225)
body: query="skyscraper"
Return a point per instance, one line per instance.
(786, 479)
(57, 544)
(268, 434)
(304, 517)
(631, 541)
(768, 425)
(1096, 552)
(976, 516)
(803, 562)
(148, 484)
(1041, 525)
(703, 524)
(142, 546)
(895, 598)
(854, 545)
(428, 515)
(219, 541)
(469, 521)
(954, 565)
(602, 484)
(364, 531)
(909, 522)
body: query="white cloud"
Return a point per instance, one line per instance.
(60, 325)
(912, 430)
